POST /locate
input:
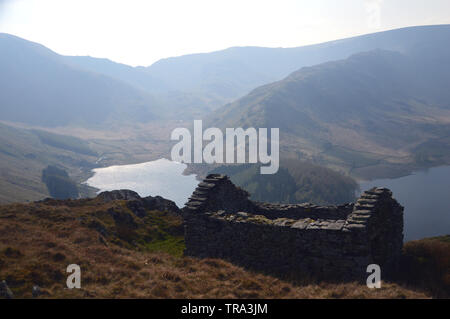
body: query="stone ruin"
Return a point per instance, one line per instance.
(295, 240)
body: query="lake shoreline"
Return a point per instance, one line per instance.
(424, 195)
(161, 177)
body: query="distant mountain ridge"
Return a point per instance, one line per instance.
(40, 87)
(225, 75)
(377, 76)
(212, 79)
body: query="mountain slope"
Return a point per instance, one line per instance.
(136, 76)
(38, 87)
(96, 90)
(371, 108)
(25, 153)
(212, 79)
(234, 71)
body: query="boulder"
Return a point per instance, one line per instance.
(122, 194)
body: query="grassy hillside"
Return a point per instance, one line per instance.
(123, 255)
(64, 142)
(426, 263)
(25, 153)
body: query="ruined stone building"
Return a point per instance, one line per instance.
(324, 242)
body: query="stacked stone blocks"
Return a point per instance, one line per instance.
(295, 240)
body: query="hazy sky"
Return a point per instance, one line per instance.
(139, 32)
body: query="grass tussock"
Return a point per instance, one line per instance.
(426, 264)
(125, 256)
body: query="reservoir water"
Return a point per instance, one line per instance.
(424, 194)
(161, 177)
(426, 198)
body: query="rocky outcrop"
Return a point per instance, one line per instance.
(161, 204)
(304, 240)
(122, 194)
(137, 204)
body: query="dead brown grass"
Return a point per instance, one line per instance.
(38, 242)
(426, 264)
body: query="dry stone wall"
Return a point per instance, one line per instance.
(301, 240)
